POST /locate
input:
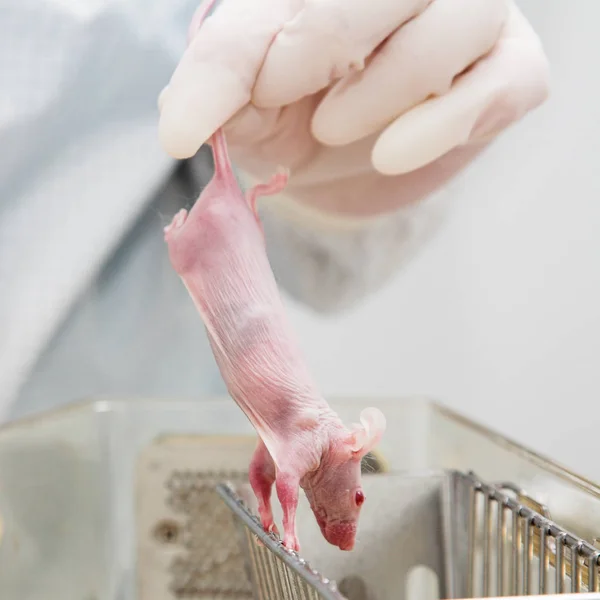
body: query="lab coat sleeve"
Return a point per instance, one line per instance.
(331, 265)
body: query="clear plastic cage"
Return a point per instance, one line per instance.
(116, 500)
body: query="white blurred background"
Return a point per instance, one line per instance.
(499, 317)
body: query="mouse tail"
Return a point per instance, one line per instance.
(222, 162)
(223, 166)
(224, 172)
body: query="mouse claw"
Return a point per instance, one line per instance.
(270, 529)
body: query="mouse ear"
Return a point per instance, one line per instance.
(370, 431)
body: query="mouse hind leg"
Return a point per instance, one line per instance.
(275, 185)
(262, 477)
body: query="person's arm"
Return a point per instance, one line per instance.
(330, 267)
(372, 136)
(330, 261)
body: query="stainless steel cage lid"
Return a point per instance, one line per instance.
(483, 540)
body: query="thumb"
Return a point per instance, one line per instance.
(217, 71)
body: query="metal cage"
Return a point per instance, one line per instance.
(480, 540)
(126, 508)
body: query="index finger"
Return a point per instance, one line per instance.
(327, 40)
(216, 74)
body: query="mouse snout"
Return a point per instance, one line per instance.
(341, 534)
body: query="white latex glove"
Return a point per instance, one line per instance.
(372, 104)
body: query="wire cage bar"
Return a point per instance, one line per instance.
(511, 547)
(275, 571)
(515, 550)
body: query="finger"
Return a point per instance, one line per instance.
(326, 40)
(522, 66)
(216, 74)
(497, 91)
(199, 16)
(419, 60)
(161, 98)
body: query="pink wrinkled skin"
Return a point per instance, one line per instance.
(218, 250)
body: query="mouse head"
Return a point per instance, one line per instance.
(334, 490)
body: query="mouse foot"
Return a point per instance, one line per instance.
(291, 542)
(276, 184)
(177, 223)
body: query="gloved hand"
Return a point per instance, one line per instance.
(372, 104)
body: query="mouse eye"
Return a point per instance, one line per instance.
(359, 498)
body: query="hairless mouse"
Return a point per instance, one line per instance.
(218, 250)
